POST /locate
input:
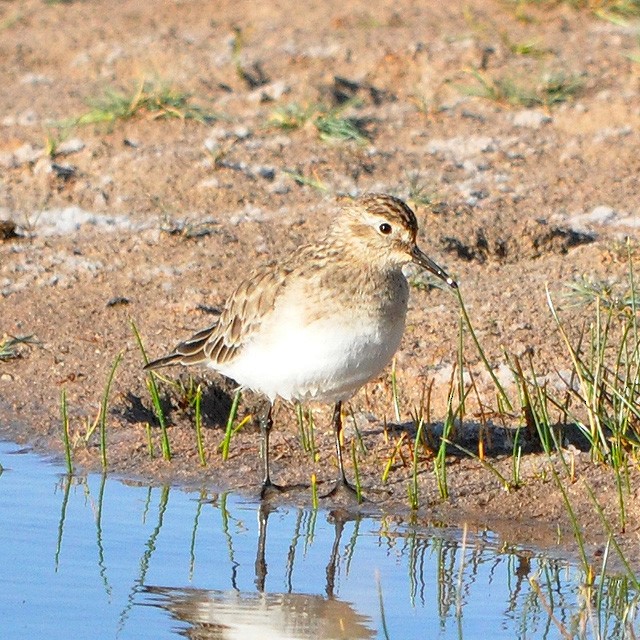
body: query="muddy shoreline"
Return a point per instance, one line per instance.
(532, 516)
(513, 134)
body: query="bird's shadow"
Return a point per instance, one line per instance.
(497, 439)
(216, 403)
(177, 401)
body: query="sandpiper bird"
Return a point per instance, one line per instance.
(321, 323)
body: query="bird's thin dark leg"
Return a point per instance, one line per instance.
(337, 431)
(266, 423)
(341, 481)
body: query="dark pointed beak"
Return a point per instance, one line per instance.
(427, 263)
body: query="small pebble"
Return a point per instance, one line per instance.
(35, 78)
(118, 301)
(64, 171)
(531, 118)
(27, 154)
(70, 146)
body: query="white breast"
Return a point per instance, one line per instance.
(327, 359)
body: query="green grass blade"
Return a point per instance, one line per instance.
(392, 458)
(155, 397)
(229, 431)
(483, 357)
(66, 481)
(414, 492)
(198, 418)
(506, 485)
(314, 491)
(394, 391)
(634, 298)
(383, 617)
(575, 525)
(103, 411)
(461, 393)
(304, 441)
(65, 430)
(607, 525)
(356, 471)
(147, 427)
(583, 381)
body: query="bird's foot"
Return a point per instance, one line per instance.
(270, 488)
(342, 485)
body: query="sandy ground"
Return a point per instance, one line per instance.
(153, 219)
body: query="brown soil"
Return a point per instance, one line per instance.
(155, 219)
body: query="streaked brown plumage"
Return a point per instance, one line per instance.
(324, 321)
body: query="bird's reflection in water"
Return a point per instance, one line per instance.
(233, 615)
(237, 615)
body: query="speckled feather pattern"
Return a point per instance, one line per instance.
(322, 322)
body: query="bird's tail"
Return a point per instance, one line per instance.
(172, 358)
(190, 351)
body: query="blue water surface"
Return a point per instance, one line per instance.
(97, 557)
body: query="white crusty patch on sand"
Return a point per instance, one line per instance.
(67, 220)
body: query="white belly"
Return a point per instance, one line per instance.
(326, 360)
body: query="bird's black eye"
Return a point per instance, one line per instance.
(385, 228)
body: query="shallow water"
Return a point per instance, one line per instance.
(96, 557)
